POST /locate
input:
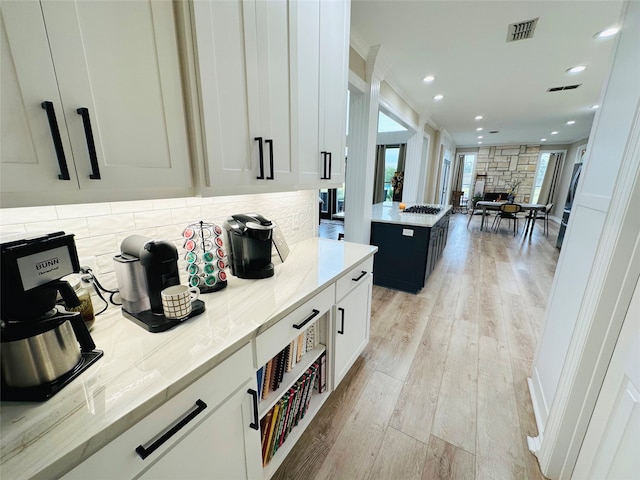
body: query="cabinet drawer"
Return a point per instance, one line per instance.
(354, 277)
(269, 343)
(119, 459)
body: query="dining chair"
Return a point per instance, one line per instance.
(547, 209)
(509, 211)
(543, 215)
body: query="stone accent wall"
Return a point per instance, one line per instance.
(506, 164)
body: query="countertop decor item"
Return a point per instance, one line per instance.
(206, 256)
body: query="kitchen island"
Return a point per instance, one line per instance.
(409, 244)
(141, 372)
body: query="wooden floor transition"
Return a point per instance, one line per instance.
(440, 391)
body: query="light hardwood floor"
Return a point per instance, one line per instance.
(440, 391)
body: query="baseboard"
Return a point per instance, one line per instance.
(540, 411)
(534, 443)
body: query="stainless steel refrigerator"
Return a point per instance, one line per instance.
(571, 194)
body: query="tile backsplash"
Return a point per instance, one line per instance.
(99, 228)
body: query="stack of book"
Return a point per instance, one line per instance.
(271, 374)
(290, 409)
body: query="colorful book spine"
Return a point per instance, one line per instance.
(266, 454)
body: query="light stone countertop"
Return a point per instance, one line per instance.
(140, 370)
(389, 212)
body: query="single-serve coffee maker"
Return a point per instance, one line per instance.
(44, 347)
(143, 269)
(249, 239)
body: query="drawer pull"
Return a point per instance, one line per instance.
(360, 276)
(145, 452)
(255, 425)
(57, 140)
(324, 166)
(269, 142)
(298, 326)
(91, 145)
(261, 155)
(341, 330)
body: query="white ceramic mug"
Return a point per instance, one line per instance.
(177, 300)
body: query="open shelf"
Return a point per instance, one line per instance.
(316, 402)
(290, 378)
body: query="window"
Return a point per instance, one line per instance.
(543, 162)
(387, 124)
(467, 173)
(390, 167)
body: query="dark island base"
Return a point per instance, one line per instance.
(407, 254)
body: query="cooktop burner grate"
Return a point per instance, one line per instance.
(426, 209)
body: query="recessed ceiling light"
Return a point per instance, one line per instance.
(543, 139)
(609, 32)
(571, 122)
(480, 136)
(554, 132)
(479, 129)
(438, 97)
(479, 117)
(428, 79)
(594, 107)
(577, 69)
(479, 143)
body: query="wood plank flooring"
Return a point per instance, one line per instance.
(440, 391)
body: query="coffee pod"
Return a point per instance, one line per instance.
(193, 269)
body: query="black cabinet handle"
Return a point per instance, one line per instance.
(91, 146)
(324, 166)
(270, 142)
(329, 155)
(298, 326)
(57, 141)
(341, 329)
(359, 276)
(145, 452)
(255, 425)
(261, 154)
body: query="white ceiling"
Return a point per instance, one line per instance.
(463, 43)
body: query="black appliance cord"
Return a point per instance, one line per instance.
(88, 276)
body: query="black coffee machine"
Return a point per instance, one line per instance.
(249, 245)
(44, 347)
(143, 269)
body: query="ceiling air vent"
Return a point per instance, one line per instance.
(493, 131)
(566, 87)
(521, 30)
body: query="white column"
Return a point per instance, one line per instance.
(413, 171)
(363, 130)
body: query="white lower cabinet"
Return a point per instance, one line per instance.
(234, 424)
(222, 446)
(352, 318)
(209, 430)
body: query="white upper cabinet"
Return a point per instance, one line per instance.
(242, 50)
(92, 103)
(320, 81)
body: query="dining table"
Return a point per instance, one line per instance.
(532, 208)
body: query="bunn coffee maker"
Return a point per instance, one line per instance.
(249, 245)
(44, 347)
(143, 269)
